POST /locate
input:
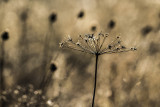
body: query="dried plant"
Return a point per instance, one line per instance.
(47, 77)
(95, 45)
(26, 96)
(4, 37)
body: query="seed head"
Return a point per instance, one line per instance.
(96, 44)
(53, 67)
(53, 17)
(5, 35)
(109, 46)
(81, 14)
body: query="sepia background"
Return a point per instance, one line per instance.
(36, 27)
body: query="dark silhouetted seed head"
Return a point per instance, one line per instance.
(81, 14)
(53, 17)
(146, 30)
(111, 24)
(109, 46)
(93, 28)
(5, 36)
(53, 67)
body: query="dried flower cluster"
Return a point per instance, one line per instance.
(26, 96)
(95, 44)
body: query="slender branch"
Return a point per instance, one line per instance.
(111, 46)
(80, 46)
(110, 52)
(95, 79)
(69, 47)
(98, 42)
(102, 43)
(86, 42)
(89, 46)
(95, 44)
(90, 43)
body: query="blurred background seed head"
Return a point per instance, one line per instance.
(35, 29)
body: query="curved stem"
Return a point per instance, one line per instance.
(95, 79)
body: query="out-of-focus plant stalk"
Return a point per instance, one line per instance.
(2, 66)
(4, 37)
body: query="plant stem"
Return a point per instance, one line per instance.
(95, 79)
(1, 66)
(2, 103)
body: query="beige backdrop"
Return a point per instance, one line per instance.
(124, 80)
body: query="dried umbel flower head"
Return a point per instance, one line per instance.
(95, 44)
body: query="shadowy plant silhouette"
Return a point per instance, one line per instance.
(4, 38)
(47, 77)
(95, 45)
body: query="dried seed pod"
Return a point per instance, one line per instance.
(53, 67)
(5, 36)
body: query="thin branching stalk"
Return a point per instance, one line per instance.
(47, 77)
(95, 45)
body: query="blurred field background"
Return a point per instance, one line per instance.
(124, 80)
